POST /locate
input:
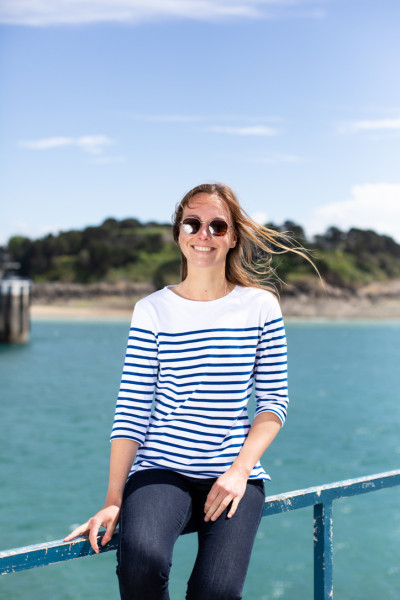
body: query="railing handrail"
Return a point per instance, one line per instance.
(329, 492)
(321, 497)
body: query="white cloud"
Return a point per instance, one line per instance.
(108, 160)
(165, 118)
(256, 130)
(71, 12)
(93, 144)
(28, 230)
(372, 126)
(371, 206)
(254, 124)
(260, 217)
(45, 144)
(187, 118)
(279, 158)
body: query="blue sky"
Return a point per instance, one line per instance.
(118, 107)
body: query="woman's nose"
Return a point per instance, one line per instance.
(204, 232)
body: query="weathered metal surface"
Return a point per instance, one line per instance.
(21, 559)
(332, 491)
(323, 551)
(39, 555)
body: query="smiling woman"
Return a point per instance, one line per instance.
(198, 348)
(205, 237)
(248, 258)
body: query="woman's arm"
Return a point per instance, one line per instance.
(230, 487)
(123, 452)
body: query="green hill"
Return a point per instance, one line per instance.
(128, 250)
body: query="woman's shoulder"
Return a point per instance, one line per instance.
(152, 298)
(257, 295)
(260, 302)
(153, 303)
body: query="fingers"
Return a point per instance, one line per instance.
(235, 504)
(212, 495)
(92, 526)
(106, 517)
(217, 507)
(108, 534)
(227, 490)
(81, 530)
(95, 525)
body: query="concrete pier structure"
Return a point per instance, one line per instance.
(14, 310)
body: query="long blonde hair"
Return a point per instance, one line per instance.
(249, 263)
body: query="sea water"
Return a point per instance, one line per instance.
(57, 402)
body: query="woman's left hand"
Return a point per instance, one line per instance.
(229, 488)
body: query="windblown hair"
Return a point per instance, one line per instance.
(249, 263)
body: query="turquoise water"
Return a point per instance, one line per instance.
(58, 395)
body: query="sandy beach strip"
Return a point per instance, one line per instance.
(107, 309)
(293, 308)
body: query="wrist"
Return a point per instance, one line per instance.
(113, 500)
(241, 468)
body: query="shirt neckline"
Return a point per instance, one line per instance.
(168, 289)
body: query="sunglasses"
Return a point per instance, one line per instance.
(217, 227)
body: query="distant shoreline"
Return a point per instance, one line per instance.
(354, 309)
(299, 307)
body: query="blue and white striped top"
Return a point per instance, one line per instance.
(199, 360)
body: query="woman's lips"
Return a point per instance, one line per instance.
(202, 248)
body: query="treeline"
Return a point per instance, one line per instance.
(112, 251)
(132, 251)
(344, 259)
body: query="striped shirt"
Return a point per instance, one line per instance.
(189, 371)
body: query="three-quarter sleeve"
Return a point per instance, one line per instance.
(271, 388)
(139, 376)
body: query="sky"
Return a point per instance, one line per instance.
(116, 108)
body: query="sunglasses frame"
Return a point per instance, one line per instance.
(209, 223)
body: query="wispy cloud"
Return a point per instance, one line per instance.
(188, 118)
(165, 118)
(108, 160)
(31, 231)
(46, 143)
(249, 125)
(255, 130)
(260, 217)
(370, 206)
(372, 126)
(92, 144)
(72, 12)
(279, 158)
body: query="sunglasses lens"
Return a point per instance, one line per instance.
(218, 227)
(191, 225)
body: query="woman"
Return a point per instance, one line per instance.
(199, 345)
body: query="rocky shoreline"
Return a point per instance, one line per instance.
(377, 300)
(50, 293)
(308, 300)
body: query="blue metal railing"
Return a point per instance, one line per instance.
(321, 497)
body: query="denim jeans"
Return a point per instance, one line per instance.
(158, 505)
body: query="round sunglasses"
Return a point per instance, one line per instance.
(217, 227)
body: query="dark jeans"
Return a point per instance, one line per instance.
(158, 505)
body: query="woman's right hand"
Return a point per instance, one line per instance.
(106, 517)
(123, 452)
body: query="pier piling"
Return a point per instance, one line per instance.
(14, 310)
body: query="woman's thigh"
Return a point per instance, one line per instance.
(225, 547)
(155, 509)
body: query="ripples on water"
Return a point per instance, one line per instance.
(58, 394)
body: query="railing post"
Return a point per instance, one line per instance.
(323, 551)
